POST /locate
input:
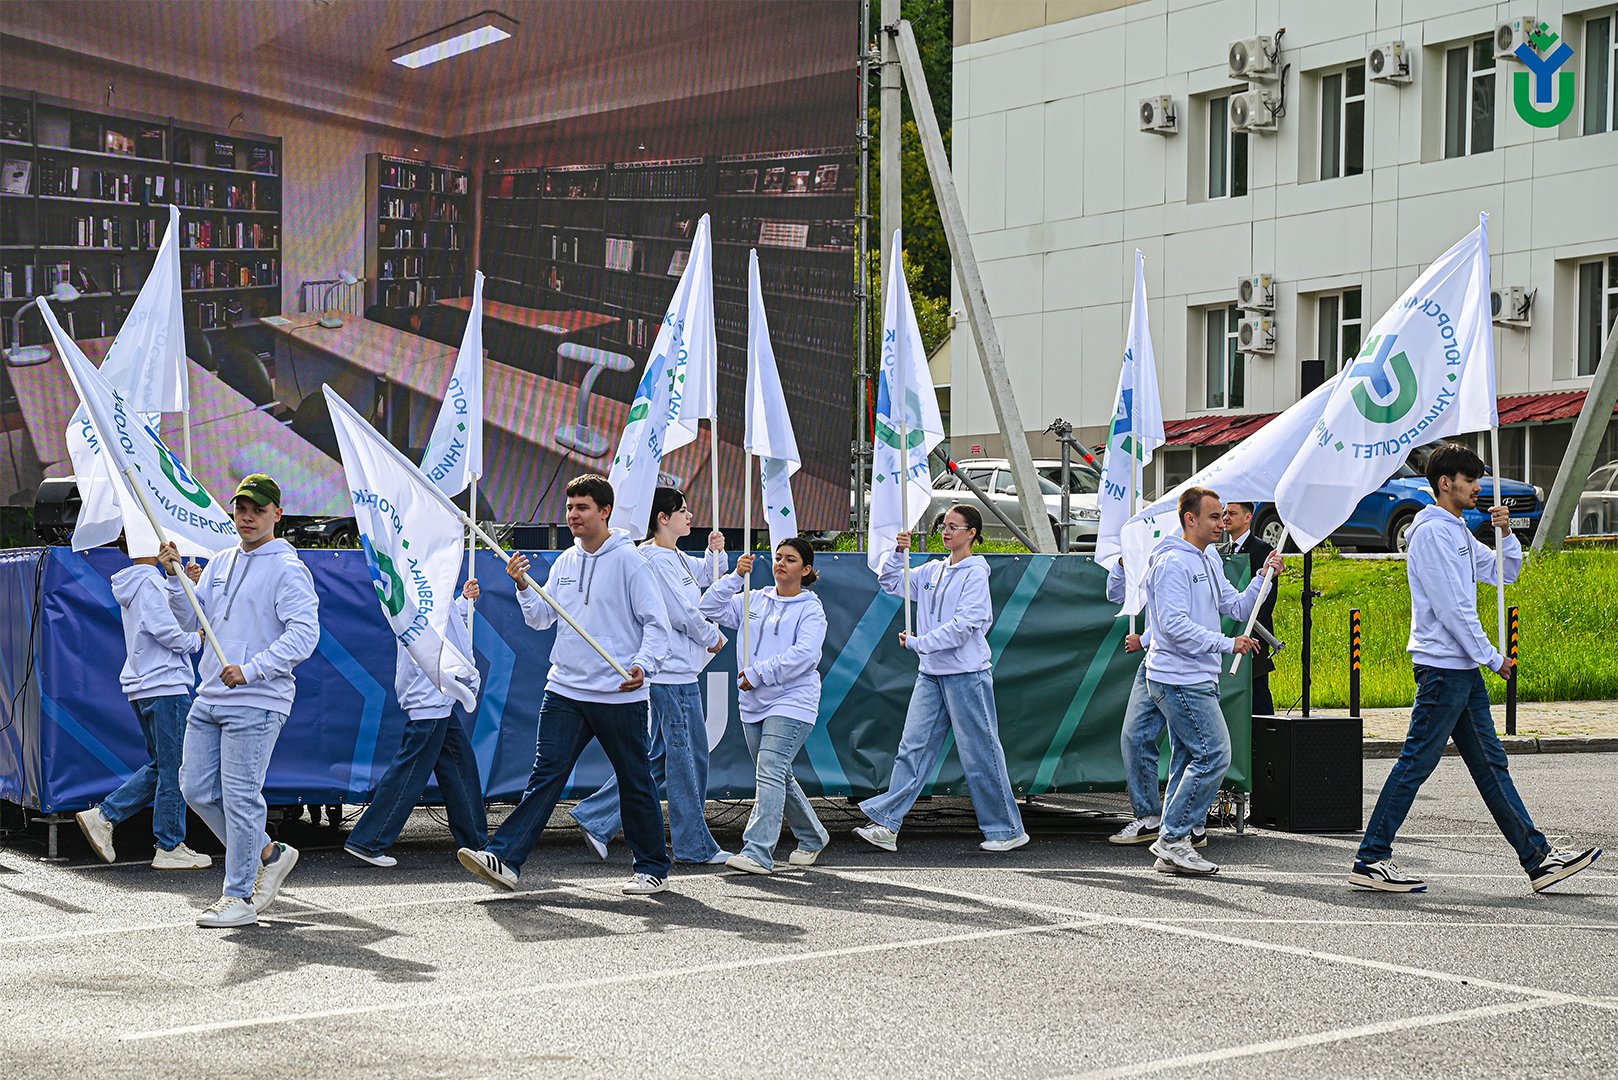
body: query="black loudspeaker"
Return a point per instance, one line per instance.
(1308, 773)
(56, 510)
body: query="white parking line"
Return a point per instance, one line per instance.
(1319, 1038)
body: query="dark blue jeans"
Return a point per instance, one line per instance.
(1452, 703)
(566, 727)
(435, 746)
(157, 783)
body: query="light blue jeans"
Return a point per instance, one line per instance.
(1143, 731)
(774, 742)
(963, 703)
(1199, 753)
(227, 753)
(156, 783)
(679, 757)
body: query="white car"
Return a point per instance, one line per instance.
(993, 475)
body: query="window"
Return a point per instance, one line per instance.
(1226, 367)
(1227, 152)
(1600, 69)
(1339, 329)
(1598, 307)
(1342, 123)
(1469, 98)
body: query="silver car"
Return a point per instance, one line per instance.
(994, 477)
(1597, 514)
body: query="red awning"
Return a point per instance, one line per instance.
(1218, 429)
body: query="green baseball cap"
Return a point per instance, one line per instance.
(260, 488)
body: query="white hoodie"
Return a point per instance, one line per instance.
(1186, 592)
(614, 595)
(953, 611)
(682, 578)
(418, 697)
(262, 604)
(159, 649)
(1446, 563)
(786, 638)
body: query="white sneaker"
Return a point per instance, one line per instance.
(228, 911)
(720, 858)
(594, 843)
(181, 858)
(489, 868)
(1136, 832)
(1005, 845)
(1180, 858)
(97, 830)
(271, 875)
(746, 865)
(383, 861)
(644, 884)
(803, 857)
(878, 836)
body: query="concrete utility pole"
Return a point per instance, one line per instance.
(993, 360)
(891, 113)
(1580, 456)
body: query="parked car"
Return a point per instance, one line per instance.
(1597, 514)
(994, 476)
(1382, 519)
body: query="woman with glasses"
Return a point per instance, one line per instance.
(954, 691)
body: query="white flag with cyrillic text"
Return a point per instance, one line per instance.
(1136, 428)
(769, 428)
(454, 454)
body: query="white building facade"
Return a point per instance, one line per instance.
(1369, 173)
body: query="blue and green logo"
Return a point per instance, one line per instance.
(1544, 81)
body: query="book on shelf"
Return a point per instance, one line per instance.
(774, 179)
(149, 142)
(678, 261)
(222, 153)
(14, 121)
(119, 141)
(826, 177)
(790, 234)
(798, 181)
(620, 254)
(85, 280)
(14, 175)
(747, 180)
(261, 159)
(84, 133)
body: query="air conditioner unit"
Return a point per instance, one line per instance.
(1157, 115)
(1256, 335)
(1511, 305)
(1253, 58)
(1252, 111)
(1256, 293)
(1388, 63)
(1512, 33)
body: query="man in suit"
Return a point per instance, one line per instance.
(1243, 541)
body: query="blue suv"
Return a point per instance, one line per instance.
(1383, 517)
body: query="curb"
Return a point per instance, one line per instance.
(1514, 744)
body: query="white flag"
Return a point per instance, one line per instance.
(769, 428)
(1136, 429)
(411, 534)
(1248, 472)
(651, 431)
(146, 364)
(901, 478)
(1426, 372)
(454, 453)
(180, 503)
(696, 362)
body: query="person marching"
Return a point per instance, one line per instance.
(435, 743)
(954, 690)
(158, 679)
(261, 601)
(779, 700)
(1187, 592)
(679, 736)
(614, 595)
(1447, 646)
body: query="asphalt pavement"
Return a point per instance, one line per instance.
(1069, 957)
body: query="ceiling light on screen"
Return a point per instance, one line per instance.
(453, 40)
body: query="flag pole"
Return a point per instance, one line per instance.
(1499, 545)
(185, 432)
(1134, 501)
(1263, 593)
(494, 545)
(471, 552)
(185, 582)
(747, 549)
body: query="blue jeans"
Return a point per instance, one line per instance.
(1143, 730)
(774, 742)
(566, 727)
(1452, 704)
(679, 760)
(1199, 753)
(227, 753)
(157, 783)
(963, 703)
(431, 746)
